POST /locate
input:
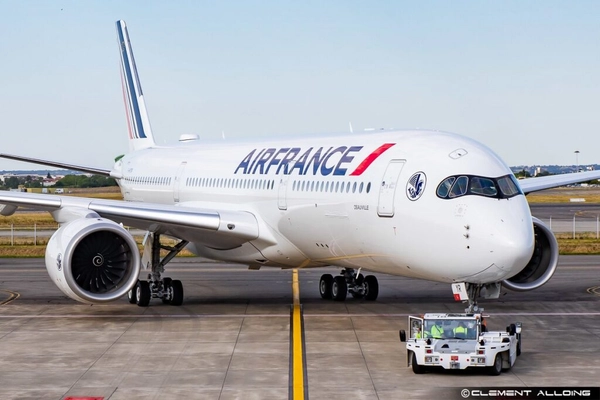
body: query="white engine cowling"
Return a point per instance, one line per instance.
(93, 260)
(543, 262)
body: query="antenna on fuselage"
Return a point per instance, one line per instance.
(350, 125)
(223, 134)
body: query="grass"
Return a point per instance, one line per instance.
(584, 243)
(565, 194)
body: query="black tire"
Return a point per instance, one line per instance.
(519, 345)
(371, 288)
(132, 295)
(496, 369)
(177, 288)
(325, 286)
(402, 334)
(143, 293)
(167, 288)
(417, 369)
(339, 288)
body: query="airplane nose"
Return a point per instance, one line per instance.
(505, 243)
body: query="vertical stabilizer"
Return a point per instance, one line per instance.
(138, 124)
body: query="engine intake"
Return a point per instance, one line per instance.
(93, 260)
(543, 262)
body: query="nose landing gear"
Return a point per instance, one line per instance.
(349, 281)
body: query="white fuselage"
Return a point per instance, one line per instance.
(349, 201)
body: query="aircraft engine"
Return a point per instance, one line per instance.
(93, 260)
(543, 262)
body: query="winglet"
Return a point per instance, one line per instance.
(138, 124)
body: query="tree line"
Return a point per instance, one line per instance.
(69, 181)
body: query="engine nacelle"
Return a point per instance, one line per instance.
(93, 260)
(543, 262)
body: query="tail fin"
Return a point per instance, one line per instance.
(140, 133)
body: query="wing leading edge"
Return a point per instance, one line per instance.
(221, 229)
(91, 170)
(529, 185)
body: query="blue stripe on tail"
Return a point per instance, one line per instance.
(131, 92)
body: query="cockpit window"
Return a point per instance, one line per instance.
(508, 186)
(444, 187)
(483, 186)
(461, 185)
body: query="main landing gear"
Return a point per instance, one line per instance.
(168, 290)
(359, 286)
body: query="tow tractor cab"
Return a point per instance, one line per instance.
(459, 341)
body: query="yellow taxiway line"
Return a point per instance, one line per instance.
(12, 297)
(297, 344)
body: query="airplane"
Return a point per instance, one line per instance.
(415, 203)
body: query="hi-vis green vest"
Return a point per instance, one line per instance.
(437, 331)
(460, 329)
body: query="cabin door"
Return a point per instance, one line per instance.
(387, 188)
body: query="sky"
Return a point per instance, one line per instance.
(522, 77)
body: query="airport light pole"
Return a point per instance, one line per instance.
(577, 160)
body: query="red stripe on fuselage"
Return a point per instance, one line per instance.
(370, 158)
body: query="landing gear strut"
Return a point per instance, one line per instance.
(349, 281)
(168, 290)
(473, 291)
(470, 292)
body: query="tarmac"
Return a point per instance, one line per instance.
(231, 339)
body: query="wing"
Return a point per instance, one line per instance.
(529, 185)
(58, 164)
(219, 229)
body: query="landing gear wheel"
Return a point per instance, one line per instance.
(142, 293)
(339, 288)
(496, 369)
(167, 288)
(371, 288)
(325, 286)
(177, 293)
(417, 369)
(132, 295)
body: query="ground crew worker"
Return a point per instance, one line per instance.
(436, 330)
(416, 330)
(461, 330)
